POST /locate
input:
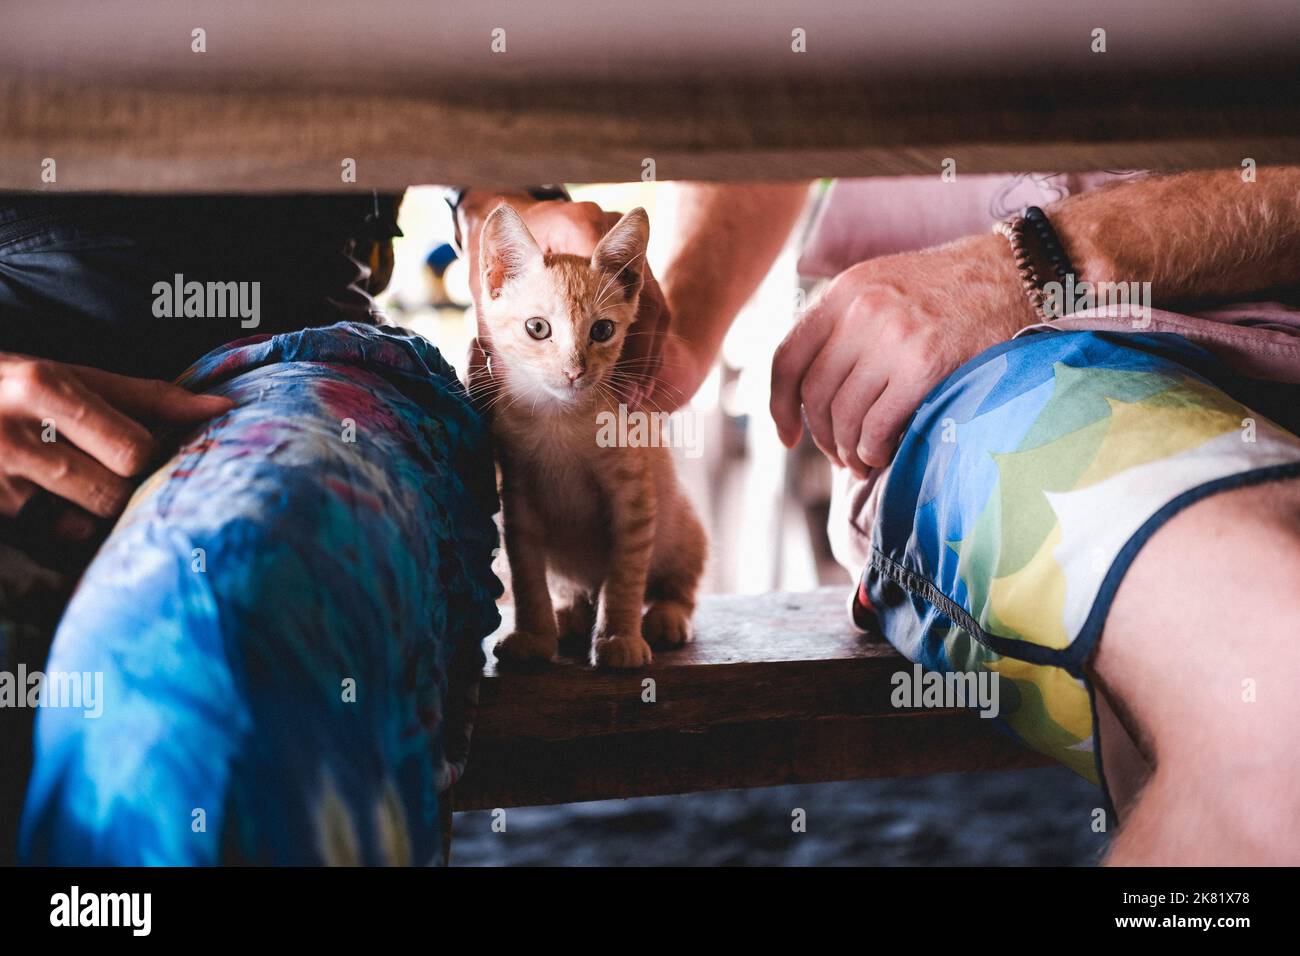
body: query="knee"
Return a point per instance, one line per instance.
(1253, 804)
(1213, 813)
(1199, 642)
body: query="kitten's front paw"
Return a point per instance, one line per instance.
(667, 624)
(620, 651)
(521, 649)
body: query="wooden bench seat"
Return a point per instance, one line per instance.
(777, 688)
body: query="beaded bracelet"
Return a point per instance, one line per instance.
(1018, 231)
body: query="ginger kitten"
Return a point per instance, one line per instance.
(610, 524)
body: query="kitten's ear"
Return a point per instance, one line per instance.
(506, 249)
(622, 251)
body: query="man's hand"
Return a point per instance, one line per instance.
(886, 331)
(76, 432)
(574, 228)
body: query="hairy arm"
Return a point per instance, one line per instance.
(1197, 235)
(888, 330)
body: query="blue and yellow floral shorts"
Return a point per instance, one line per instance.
(1025, 486)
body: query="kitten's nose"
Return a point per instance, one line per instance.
(573, 374)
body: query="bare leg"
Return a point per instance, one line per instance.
(1128, 770)
(1199, 660)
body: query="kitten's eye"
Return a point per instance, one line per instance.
(602, 330)
(538, 328)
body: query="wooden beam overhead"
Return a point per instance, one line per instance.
(284, 94)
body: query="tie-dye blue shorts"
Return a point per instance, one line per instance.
(275, 623)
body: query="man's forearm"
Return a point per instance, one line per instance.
(725, 239)
(1193, 236)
